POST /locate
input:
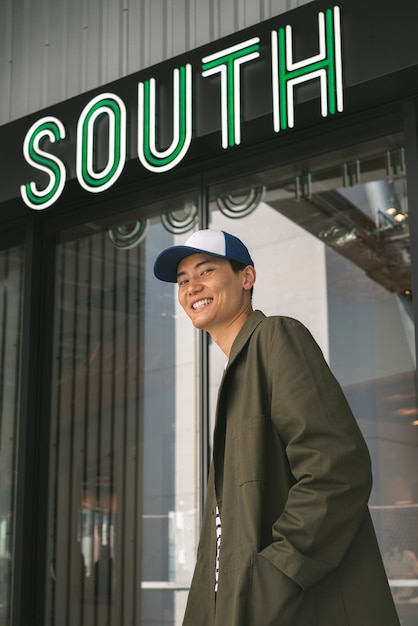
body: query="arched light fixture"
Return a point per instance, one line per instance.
(181, 220)
(128, 236)
(233, 208)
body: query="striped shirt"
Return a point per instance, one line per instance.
(218, 546)
(218, 532)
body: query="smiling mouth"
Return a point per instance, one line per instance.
(196, 306)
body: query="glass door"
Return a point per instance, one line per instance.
(331, 245)
(124, 502)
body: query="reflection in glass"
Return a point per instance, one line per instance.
(123, 505)
(11, 298)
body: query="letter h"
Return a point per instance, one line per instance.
(326, 66)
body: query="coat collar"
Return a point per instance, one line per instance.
(244, 334)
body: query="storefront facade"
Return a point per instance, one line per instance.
(299, 135)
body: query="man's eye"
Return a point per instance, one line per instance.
(182, 282)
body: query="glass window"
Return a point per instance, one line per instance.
(11, 300)
(124, 497)
(330, 241)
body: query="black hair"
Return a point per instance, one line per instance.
(237, 266)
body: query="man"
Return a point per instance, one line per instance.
(290, 476)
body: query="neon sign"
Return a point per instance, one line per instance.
(47, 128)
(150, 156)
(229, 65)
(325, 66)
(113, 108)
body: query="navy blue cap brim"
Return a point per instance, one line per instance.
(165, 266)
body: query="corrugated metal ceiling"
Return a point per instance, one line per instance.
(51, 50)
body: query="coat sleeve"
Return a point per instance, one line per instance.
(327, 454)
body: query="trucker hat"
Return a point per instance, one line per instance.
(214, 242)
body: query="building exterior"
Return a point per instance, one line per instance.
(125, 126)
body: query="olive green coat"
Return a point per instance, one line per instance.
(291, 476)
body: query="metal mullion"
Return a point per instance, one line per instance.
(112, 423)
(139, 440)
(3, 336)
(100, 395)
(56, 443)
(71, 441)
(28, 536)
(107, 394)
(93, 397)
(133, 426)
(124, 447)
(203, 366)
(65, 436)
(4, 435)
(44, 260)
(16, 403)
(86, 406)
(39, 270)
(77, 430)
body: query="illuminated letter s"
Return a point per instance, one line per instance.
(52, 129)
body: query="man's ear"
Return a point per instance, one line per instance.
(249, 276)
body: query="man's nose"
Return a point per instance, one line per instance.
(193, 286)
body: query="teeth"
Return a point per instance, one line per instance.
(200, 303)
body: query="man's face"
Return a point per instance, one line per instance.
(211, 293)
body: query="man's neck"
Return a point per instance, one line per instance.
(225, 337)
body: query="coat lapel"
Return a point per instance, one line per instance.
(239, 344)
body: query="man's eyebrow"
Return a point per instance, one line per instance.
(195, 267)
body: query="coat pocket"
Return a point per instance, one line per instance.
(275, 599)
(251, 447)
